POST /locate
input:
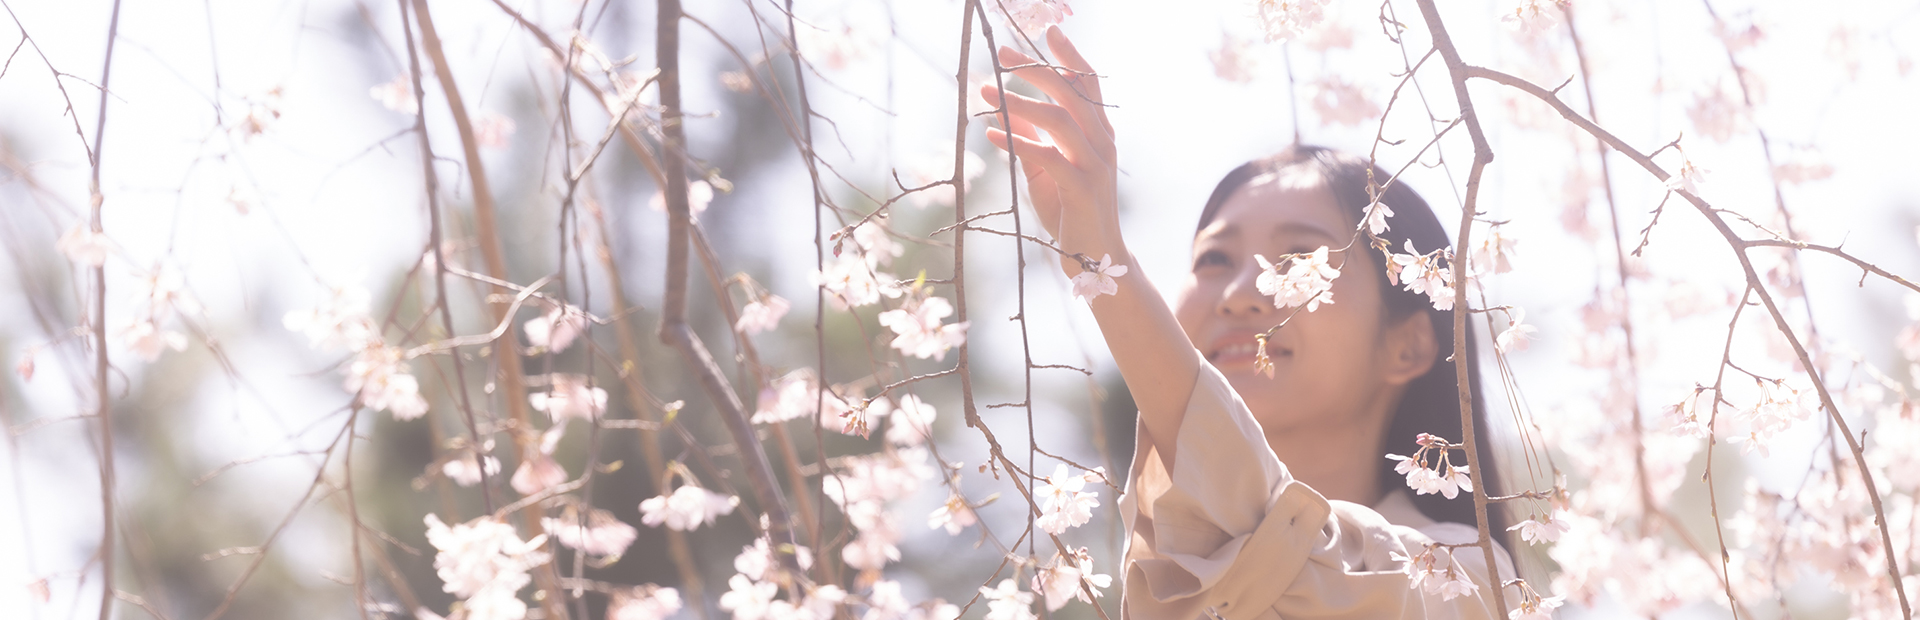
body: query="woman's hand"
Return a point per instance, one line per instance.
(1071, 176)
(1071, 172)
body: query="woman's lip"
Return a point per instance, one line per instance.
(1243, 348)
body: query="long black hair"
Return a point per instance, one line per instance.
(1431, 403)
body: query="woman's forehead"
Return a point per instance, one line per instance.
(1287, 201)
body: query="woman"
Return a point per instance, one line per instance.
(1278, 505)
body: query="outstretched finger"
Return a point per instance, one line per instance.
(1070, 58)
(1075, 101)
(1066, 132)
(1035, 156)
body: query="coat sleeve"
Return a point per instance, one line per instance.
(1231, 532)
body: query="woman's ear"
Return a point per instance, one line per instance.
(1410, 349)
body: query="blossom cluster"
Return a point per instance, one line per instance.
(1442, 476)
(378, 374)
(485, 563)
(1308, 280)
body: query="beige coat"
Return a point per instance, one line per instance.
(1231, 534)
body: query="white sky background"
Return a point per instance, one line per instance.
(353, 214)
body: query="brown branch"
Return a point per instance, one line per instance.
(1482, 155)
(1737, 246)
(104, 414)
(673, 323)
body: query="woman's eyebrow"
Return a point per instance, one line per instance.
(1225, 231)
(1301, 228)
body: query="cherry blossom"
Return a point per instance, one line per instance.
(383, 383)
(1308, 280)
(1517, 334)
(1063, 578)
(149, 341)
(953, 515)
(1064, 505)
(538, 472)
(1534, 607)
(570, 397)
(1533, 17)
(1007, 602)
(1422, 274)
(1377, 214)
(492, 129)
(935, 164)
(465, 470)
(912, 422)
(851, 282)
(699, 195)
(397, 95)
(603, 535)
(648, 602)
(936, 609)
(875, 245)
(1341, 102)
(1234, 60)
(85, 247)
(1688, 178)
(1285, 19)
(485, 562)
(748, 600)
(1426, 480)
(1541, 531)
(686, 508)
(1099, 280)
(1493, 252)
(885, 601)
(762, 314)
(1033, 17)
(557, 329)
(918, 329)
(755, 559)
(340, 321)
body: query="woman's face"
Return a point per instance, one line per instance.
(1330, 366)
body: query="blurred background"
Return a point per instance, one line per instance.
(247, 149)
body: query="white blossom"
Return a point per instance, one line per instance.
(1286, 19)
(648, 602)
(1377, 214)
(537, 473)
(485, 562)
(699, 195)
(1308, 280)
(1531, 17)
(885, 601)
(570, 397)
(762, 314)
(953, 515)
(465, 471)
(1064, 504)
(149, 341)
(1517, 334)
(686, 508)
(1007, 602)
(918, 329)
(1033, 17)
(557, 329)
(935, 164)
(1099, 280)
(851, 282)
(748, 600)
(875, 245)
(755, 559)
(912, 422)
(1541, 531)
(397, 95)
(602, 535)
(1688, 178)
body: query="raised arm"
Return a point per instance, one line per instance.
(1071, 174)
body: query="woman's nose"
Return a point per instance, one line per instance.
(1242, 297)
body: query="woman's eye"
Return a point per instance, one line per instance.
(1210, 258)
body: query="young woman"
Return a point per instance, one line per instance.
(1253, 496)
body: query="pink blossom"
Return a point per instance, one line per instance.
(556, 330)
(762, 315)
(1033, 17)
(1099, 280)
(397, 95)
(537, 473)
(1007, 602)
(1517, 334)
(602, 535)
(570, 397)
(485, 562)
(1286, 19)
(954, 515)
(648, 602)
(1064, 505)
(465, 471)
(918, 329)
(686, 508)
(85, 247)
(1541, 531)
(1308, 280)
(149, 341)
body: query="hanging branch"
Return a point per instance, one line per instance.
(1754, 280)
(1482, 155)
(101, 393)
(673, 319)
